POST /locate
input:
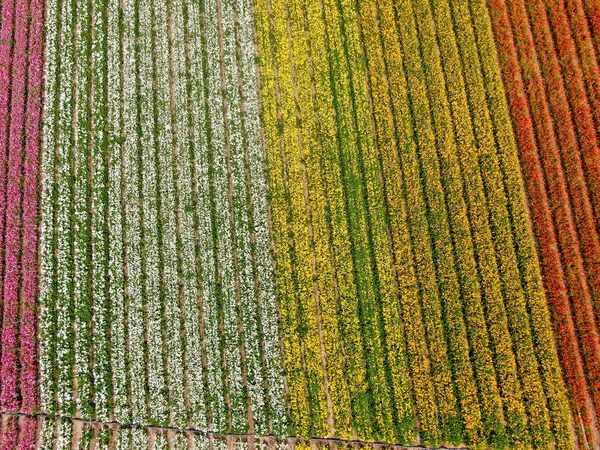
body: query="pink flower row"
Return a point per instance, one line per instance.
(20, 109)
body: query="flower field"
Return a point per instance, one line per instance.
(294, 224)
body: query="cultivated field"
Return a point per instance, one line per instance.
(294, 224)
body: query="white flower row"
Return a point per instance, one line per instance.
(135, 315)
(64, 294)
(201, 442)
(64, 435)
(158, 406)
(231, 338)
(123, 440)
(181, 441)
(160, 442)
(46, 310)
(206, 248)
(81, 258)
(118, 337)
(100, 221)
(241, 210)
(139, 438)
(167, 149)
(105, 438)
(47, 438)
(187, 211)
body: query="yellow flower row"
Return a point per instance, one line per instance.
(451, 139)
(341, 247)
(435, 247)
(408, 220)
(310, 147)
(393, 225)
(300, 334)
(355, 134)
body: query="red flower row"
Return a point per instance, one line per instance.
(539, 94)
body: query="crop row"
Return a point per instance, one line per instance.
(409, 157)
(20, 108)
(157, 290)
(552, 154)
